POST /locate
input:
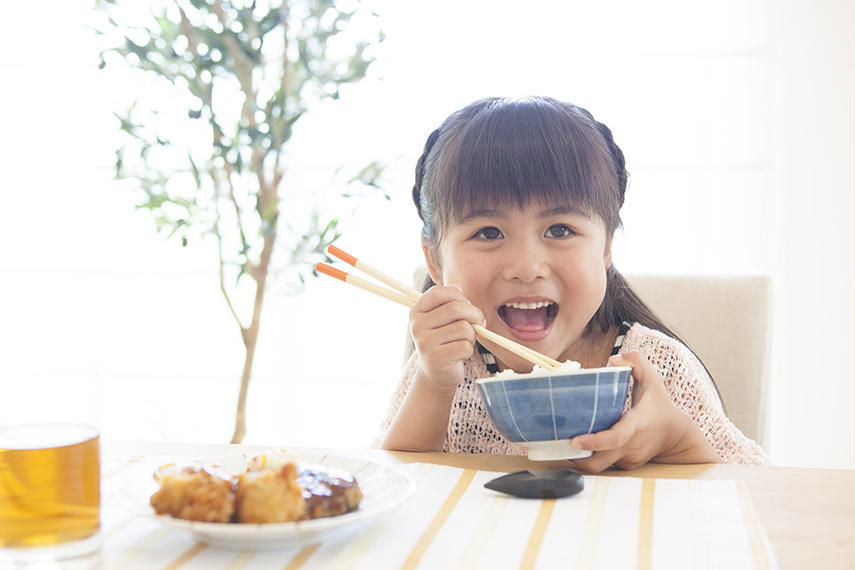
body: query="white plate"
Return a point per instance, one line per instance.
(383, 489)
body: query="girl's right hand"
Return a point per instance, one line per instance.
(441, 325)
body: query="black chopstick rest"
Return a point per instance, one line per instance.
(539, 484)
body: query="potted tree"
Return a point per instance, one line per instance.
(208, 150)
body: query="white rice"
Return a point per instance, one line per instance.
(565, 367)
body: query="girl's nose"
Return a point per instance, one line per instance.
(526, 263)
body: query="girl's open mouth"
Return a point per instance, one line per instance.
(529, 321)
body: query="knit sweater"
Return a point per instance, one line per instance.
(470, 429)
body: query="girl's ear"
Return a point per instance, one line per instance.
(607, 257)
(431, 261)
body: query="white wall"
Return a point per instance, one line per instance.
(735, 118)
(811, 222)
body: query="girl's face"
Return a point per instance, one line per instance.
(538, 274)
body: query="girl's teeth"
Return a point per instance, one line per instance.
(536, 305)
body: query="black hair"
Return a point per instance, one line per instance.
(514, 152)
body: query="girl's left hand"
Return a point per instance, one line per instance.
(654, 428)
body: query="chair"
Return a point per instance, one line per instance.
(725, 321)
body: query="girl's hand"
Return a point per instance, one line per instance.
(441, 325)
(653, 429)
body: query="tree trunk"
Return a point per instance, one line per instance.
(250, 338)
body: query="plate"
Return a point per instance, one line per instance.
(383, 488)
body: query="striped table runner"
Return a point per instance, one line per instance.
(451, 521)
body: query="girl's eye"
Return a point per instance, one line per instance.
(559, 231)
(489, 233)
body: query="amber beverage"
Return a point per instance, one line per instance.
(49, 484)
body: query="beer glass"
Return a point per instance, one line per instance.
(49, 474)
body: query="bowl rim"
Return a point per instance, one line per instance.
(578, 372)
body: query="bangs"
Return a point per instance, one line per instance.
(521, 152)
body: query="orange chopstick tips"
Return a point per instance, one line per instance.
(402, 288)
(342, 255)
(331, 271)
(365, 285)
(407, 296)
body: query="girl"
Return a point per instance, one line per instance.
(520, 200)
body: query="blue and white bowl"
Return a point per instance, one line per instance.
(543, 411)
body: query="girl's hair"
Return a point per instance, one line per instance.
(514, 152)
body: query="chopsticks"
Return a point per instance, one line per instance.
(407, 296)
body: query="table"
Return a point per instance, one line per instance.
(808, 513)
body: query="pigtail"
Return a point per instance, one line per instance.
(616, 153)
(617, 156)
(420, 173)
(620, 303)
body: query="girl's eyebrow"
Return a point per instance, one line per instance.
(545, 213)
(562, 210)
(482, 214)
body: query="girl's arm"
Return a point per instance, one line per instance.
(422, 419)
(691, 389)
(654, 429)
(441, 325)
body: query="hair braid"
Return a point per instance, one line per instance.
(617, 155)
(420, 172)
(615, 152)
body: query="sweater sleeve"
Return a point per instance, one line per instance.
(692, 390)
(469, 427)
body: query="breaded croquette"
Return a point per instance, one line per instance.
(271, 495)
(194, 493)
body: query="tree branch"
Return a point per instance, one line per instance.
(222, 260)
(243, 66)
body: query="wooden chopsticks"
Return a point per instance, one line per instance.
(407, 296)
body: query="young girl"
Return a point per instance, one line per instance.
(520, 199)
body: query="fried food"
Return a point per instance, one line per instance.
(194, 493)
(328, 492)
(273, 489)
(270, 496)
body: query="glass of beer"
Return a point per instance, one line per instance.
(50, 481)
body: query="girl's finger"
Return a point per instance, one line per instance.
(615, 437)
(446, 314)
(452, 332)
(599, 461)
(439, 295)
(643, 371)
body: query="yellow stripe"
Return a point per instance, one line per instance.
(591, 540)
(240, 560)
(302, 556)
(132, 461)
(439, 519)
(645, 524)
(134, 550)
(485, 529)
(360, 544)
(119, 526)
(186, 556)
(698, 521)
(753, 527)
(536, 538)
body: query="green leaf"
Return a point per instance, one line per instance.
(195, 171)
(138, 50)
(270, 21)
(152, 153)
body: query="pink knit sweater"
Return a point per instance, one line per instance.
(470, 429)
